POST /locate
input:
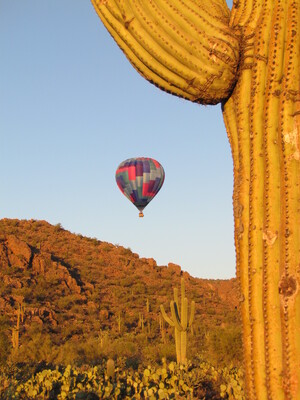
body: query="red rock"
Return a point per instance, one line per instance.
(19, 253)
(174, 268)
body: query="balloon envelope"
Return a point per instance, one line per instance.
(140, 179)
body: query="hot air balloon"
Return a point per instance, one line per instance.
(140, 179)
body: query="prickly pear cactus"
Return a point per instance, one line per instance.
(248, 59)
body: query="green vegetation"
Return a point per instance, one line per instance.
(164, 381)
(69, 300)
(5, 342)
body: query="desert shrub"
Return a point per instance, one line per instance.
(5, 290)
(5, 348)
(139, 289)
(106, 247)
(5, 341)
(100, 261)
(126, 252)
(226, 344)
(123, 347)
(127, 281)
(95, 241)
(58, 227)
(40, 292)
(68, 353)
(155, 353)
(37, 348)
(67, 301)
(91, 352)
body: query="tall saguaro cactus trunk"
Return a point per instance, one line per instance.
(248, 59)
(262, 119)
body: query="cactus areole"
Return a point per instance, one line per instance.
(247, 59)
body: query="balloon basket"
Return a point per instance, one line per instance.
(141, 214)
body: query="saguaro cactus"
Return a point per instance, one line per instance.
(16, 330)
(141, 321)
(110, 368)
(179, 321)
(248, 59)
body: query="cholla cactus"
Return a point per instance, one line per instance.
(248, 59)
(179, 321)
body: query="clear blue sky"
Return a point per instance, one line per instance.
(72, 108)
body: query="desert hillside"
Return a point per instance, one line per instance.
(82, 298)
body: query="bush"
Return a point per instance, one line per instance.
(5, 347)
(226, 344)
(37, 349)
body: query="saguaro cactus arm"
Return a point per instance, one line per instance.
(165, 316)
(175, 316)
(184, 47)
(182, 324)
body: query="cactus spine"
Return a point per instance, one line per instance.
(193, 49)
(179, 321)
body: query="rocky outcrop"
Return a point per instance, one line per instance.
(15, 252)
(176, 269)
(41, 315)
(22, 267)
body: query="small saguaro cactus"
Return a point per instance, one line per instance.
(119, 322)
(15, 338)
(110, 368)
(103, 339)
(16, 330)
(141, 321)
(180, 321)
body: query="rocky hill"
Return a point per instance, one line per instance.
(82, 298)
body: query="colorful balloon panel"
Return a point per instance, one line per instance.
(140, 179)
